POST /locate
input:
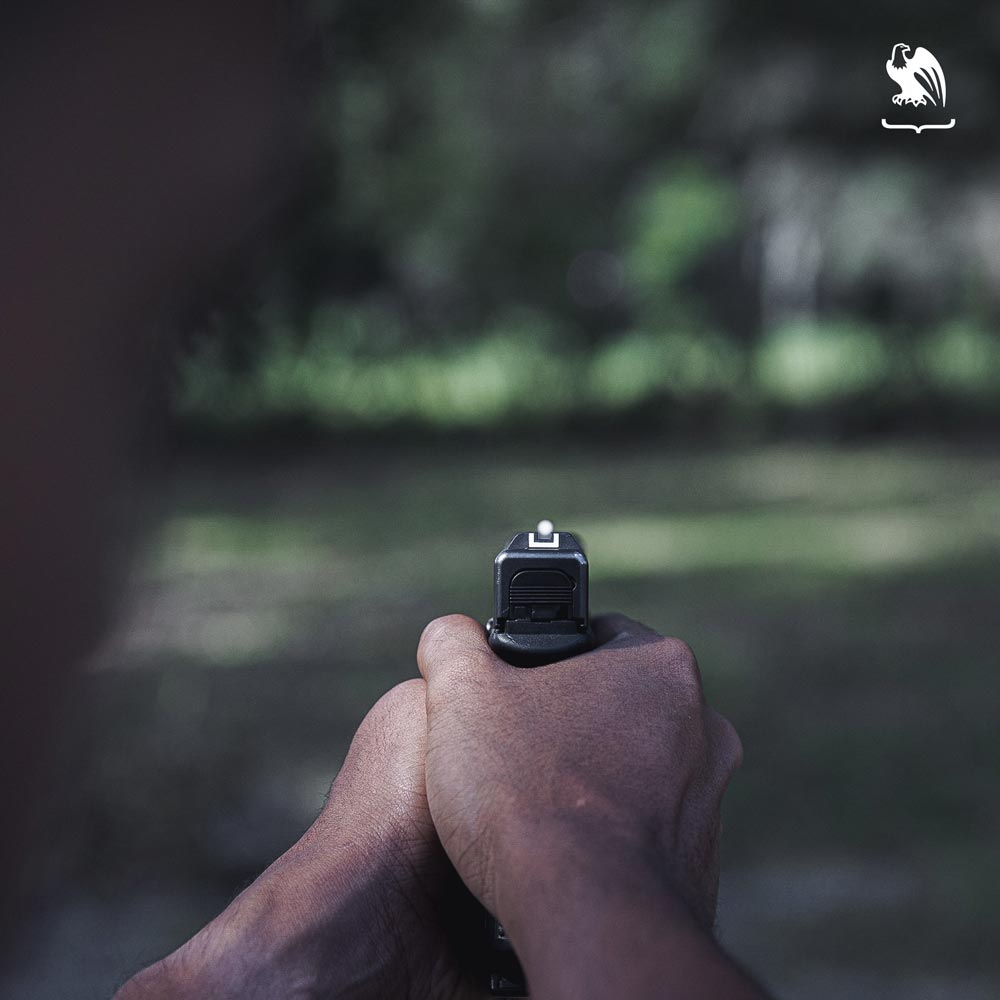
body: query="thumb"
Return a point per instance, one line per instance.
(451, 649)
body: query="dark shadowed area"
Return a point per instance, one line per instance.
(654, 271)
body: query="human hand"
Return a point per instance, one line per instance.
(355, 908)
(608, 768)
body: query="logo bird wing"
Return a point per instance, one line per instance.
(928, 73)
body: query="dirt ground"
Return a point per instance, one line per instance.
(842, 602)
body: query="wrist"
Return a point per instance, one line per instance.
(551, 872)
(534, 856)
(310, 926)
(316, 921)
(592, 913)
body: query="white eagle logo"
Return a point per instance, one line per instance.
(920, 76)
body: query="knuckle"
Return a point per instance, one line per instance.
(734, 746)
(679, 666)
(404, 696)
(448, 634)
(397, 709)
(730, 746)
(678, 653)
(438, 631)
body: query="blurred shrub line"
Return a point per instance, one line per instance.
(523, 367)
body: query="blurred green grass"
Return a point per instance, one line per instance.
(842, 602)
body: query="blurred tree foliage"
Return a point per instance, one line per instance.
(644, 211)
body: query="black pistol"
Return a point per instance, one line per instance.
(540, 598)
(541, 613)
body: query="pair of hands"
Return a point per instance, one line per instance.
(579, 802)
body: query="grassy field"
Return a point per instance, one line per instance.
(842, 602)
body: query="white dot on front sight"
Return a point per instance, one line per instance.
(544, 528)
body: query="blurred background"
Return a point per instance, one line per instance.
(654, 271)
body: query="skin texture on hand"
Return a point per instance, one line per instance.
(355, 908)
(580, 802)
